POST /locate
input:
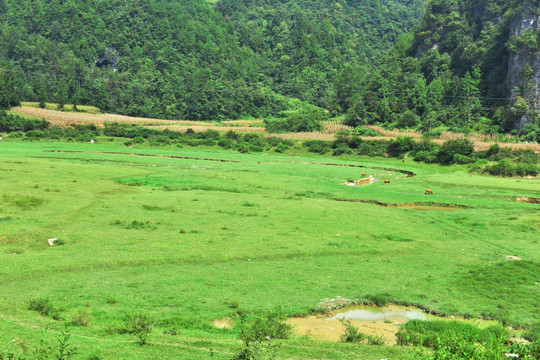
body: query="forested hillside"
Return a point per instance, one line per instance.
(468, 66)
(185, 59)
(301, 46)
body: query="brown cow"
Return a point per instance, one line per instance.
(429, 192)
(387, 181)
(363, 174)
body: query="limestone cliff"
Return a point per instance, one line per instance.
(523, 78)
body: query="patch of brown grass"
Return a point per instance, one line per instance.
(306, 136)
(65, 118)
(332, 127)
(198, 127)
(243, 123)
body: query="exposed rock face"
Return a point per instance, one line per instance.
(524, 63)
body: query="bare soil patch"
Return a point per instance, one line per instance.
(410, 205)
(222, 323)
(530, 200)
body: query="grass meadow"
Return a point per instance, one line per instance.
(186, 241)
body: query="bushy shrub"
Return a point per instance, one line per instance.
(317, 146)
(10, 123)
(305, 119)
(280, 148)
(530, 133)
(226, 143)
(503, 167)
(425, 156)
(372, 148)
(400, 146)
(56, 133)
(462, 159)
(341, 149)
(254, 140)
(140, 325)
(351, 333)
(272, 325)
(527, 169)
(362, 131)
(34, 135)
(273, 141)
(450, 148)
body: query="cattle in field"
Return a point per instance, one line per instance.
(387, 181)
(364, 174)
(429, 192)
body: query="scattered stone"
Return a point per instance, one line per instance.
(365, 181)
(513, 258)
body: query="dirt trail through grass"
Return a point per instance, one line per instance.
(141, 154)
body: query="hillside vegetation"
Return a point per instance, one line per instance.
(183, 59)
(451, 73)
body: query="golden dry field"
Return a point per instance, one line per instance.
(67, 118)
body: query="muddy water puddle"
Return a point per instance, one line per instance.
(380, 321)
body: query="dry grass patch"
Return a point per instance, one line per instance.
(198, 127)
(65, 119)
(243, 123)
(334, 126)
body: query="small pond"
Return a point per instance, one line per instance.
(372, 320)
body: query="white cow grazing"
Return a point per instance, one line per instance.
(92, 141)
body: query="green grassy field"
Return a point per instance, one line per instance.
(189, 241)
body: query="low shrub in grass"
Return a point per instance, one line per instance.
(378, 299)
(351, 333)
(45, 307)
(253, 348)
(80, 317)
(428, 333)
(533, 334)
(271, 325)
(140, 325)
(159, 140)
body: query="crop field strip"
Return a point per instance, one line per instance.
(67, 118)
